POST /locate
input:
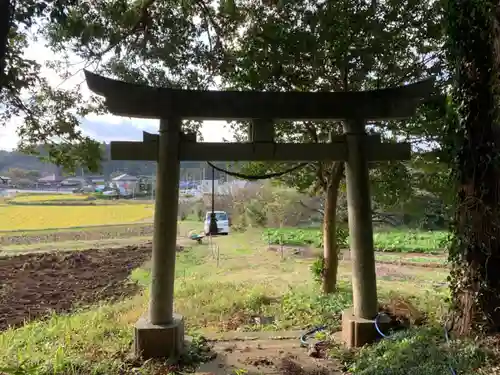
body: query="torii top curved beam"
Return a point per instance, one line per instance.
(136, 100)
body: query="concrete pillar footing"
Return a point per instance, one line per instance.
(357, 332)
(159, 341)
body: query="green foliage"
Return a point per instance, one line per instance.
(338, 46)
(298, 237)
(418, 351)
(198, 352)
(256, 212)
(402, 240)
(262, 205)
(410, 241)
(306, 309)
(318, 268)
(286, 47)
(301, 237)
(49, 116)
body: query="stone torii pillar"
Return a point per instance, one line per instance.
(161, 332)
(357, 323)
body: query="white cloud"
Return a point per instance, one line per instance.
(8, 136)
(105, 127)
(109, 128)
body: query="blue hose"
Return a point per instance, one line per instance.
(305, 336)
(377, 327)
(446, 336)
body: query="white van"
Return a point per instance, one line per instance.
(222, 222)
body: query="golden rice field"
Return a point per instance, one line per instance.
(34, 217)
(33, 198)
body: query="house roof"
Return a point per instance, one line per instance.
(75, 179)
(125, 177)
(50, 178)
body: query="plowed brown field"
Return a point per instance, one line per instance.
(34, 285)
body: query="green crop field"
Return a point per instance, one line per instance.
(395, 240)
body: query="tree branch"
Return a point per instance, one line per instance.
(141, 25)
(318, 210)
(320, 172)
(6, 16)
(337, 172)
(377, 216)
(381, 217)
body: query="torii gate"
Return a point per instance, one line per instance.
(161, 332)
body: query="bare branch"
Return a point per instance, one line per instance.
(381, 217)
(141, 25)
(377, 216)
(7, 13)
(318, 210)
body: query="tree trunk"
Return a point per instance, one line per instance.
(475, 254)
(330, 251)
(5, 17)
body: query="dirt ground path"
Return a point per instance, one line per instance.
(307, 252)
(268, 354)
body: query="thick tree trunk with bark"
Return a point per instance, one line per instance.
(330, 251)
(475, 255)
(5, 15)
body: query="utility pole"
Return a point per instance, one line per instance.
(152, 187)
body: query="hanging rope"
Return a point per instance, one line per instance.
(213, 229)
(258, 177)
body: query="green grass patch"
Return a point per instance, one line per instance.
(418, 351)
(89, 342)
(95, 341)
(397, 240)
(247, 282)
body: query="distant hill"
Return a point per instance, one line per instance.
(189, 170)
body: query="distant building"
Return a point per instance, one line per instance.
(205, 186)
(96, 180)
(50, 180)
(76, 182)
(5, 180)
(126, 183)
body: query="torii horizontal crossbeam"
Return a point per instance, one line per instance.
(192, 151)
(134, 100)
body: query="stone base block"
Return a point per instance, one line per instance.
(159, 341)
(357, 332)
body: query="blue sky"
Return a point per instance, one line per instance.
(103, 128)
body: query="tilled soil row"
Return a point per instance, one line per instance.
(412, 264)
(94, 234)
(34, 285)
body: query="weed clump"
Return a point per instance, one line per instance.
(416, 351)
